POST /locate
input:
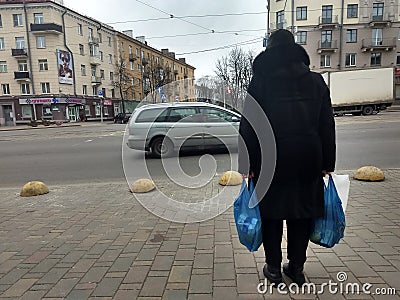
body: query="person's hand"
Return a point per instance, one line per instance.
(324, 172)
(250, 175)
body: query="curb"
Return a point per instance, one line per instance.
(12, 128)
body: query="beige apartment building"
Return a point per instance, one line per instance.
(150, 70)
(56, 64)
(342, 34)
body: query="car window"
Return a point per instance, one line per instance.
(218, 115)
(152, 115)
(177, 114)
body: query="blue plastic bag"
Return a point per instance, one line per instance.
(329, 229)
(248, 220)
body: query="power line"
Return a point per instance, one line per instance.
(243, 43)
(172, 16)
(186, 17)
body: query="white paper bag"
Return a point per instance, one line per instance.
(342, 183)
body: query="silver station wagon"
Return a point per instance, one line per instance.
(165, 128)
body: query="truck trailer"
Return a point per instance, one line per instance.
(357, 92)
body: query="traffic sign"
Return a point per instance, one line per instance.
(163, 97)
(159, 89)
(100, 93)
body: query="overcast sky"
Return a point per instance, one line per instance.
(125, 11)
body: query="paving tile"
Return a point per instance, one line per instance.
(200, 284)
(62, 288)
(203, 261)
(107, 287)
(175, 295)
(137, 274)
(180, 274)
(153, 287)
(247, 283)
(162, 263)
(19, 288)
(224, 271)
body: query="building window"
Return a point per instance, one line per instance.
(130, 50)
(327, 13)
(45, 87)
(1, 22)
(351, 36)
(81, 49)
(301, 13)
(102, 74)
(398, 59)
(87, 110)
(38, 18)
(138, 67)
(43, 66)
(112, 76)
(110, 60)
(350, 60)
(46, 110)
(112, 93)
(109, 41)
(97, 110)
(376, 59)
(377, 35)
(26, 111)
(105, 110)
(19, 42)
(352, 11)
(3, 67)
(90, 31)
(100, 37)
(5, 87)
(133, 81)
(84, 89)
(132, 65)
(40, 42)
(83, 70)
(377, 12)
(94, 91)
(301, 37)
(2, 46)
(80, 32)
(93, 70)
(17, 20)
(325, 61)
(101, 55)
(25, 89)
(280, 20)
(326, 39)
(22, 66)
(122, 47)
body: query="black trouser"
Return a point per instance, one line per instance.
(298, 233)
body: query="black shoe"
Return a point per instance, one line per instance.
(273, 274)
(294, 273)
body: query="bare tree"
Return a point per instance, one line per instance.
(155, 75)
(235, 72)
(122, 81)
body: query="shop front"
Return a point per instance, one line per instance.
(7, 113)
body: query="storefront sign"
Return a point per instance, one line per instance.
(52, 100)
(107, 102)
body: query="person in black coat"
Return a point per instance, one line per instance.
(297, 103)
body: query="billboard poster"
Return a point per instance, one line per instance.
(65, 70)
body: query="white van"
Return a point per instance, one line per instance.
(164, 128)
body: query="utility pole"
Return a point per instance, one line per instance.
(341, 36)
(292, 13)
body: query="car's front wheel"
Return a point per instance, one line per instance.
(162, 147)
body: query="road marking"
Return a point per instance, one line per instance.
(87, 141)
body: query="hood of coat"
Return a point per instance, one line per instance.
(285, 60)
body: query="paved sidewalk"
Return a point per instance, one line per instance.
(96, 241)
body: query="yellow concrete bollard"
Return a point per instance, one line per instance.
(369, 173)
(143, 186)
(34, 188)
(231, 178)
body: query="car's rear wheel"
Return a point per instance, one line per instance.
(368, 110)
(162, 147)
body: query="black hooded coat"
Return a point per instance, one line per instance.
(298, 105)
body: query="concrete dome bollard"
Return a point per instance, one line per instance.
(369, 173)
(231, 178)
(143, 186)
(34, 188)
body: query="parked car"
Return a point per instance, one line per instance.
(164, 128)
(122, 118)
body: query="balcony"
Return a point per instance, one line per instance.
(96, 80)
(19, 53)
(378, 44)
(21, 76)
(381, 20)
(93, 40)
(132, 57)
(325, 22)
(95, 59)
(50, 28)
(279, 25)
(327, 46)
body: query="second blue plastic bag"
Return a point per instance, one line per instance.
(248, 220)
(329, 229)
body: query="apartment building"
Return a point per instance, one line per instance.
(148, 69)
(342, 34)
(56, 64)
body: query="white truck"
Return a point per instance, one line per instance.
(359, 92)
